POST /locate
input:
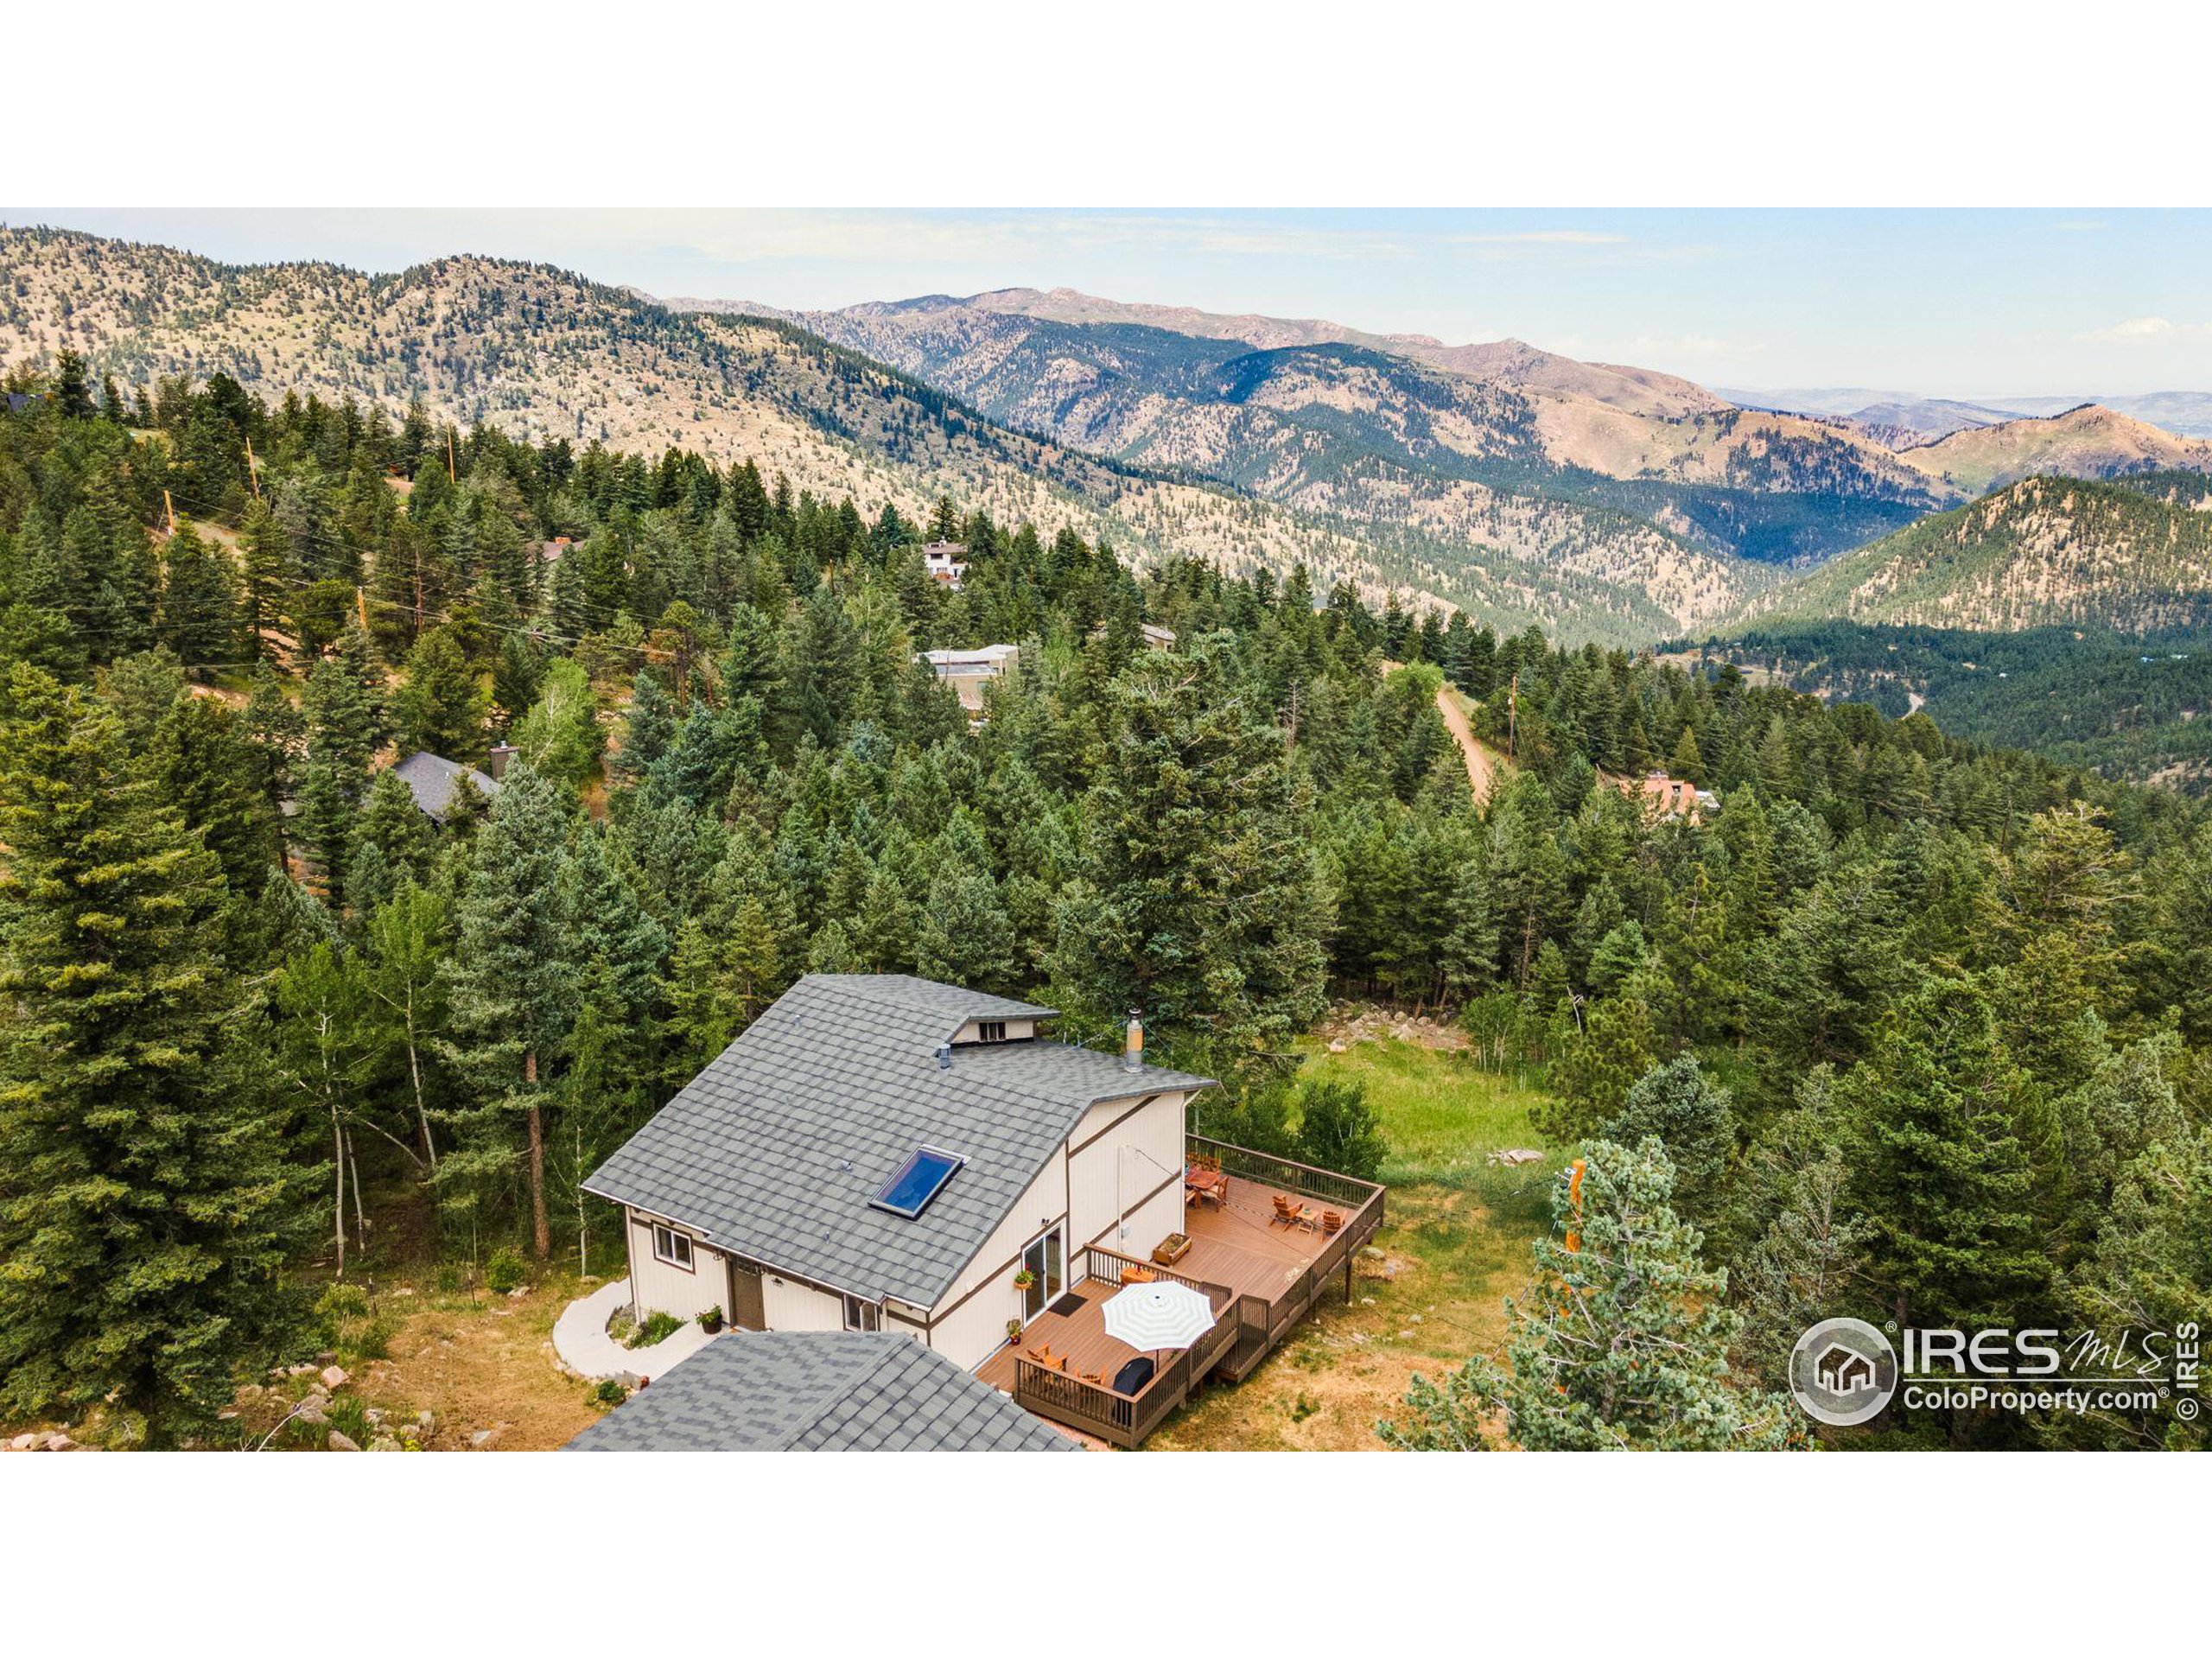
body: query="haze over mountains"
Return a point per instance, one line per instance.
(1600, 501)
(1911, 418)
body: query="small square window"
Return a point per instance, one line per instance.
(672, 1247)
(860, 1315)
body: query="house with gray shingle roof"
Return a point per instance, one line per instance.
(432, 779)
(883, 1153)
(819, 1391)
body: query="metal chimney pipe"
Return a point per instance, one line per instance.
(1133, 1044)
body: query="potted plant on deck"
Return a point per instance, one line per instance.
(711, 1321)
(1012, 1331)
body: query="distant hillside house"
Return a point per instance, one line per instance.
(819, 1391)
(969, 670)
(431, 779)
(1662, 797)
(945, 562)
(551, 552)
(1157, 637)
(884, 1154)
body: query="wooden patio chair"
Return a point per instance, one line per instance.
(1331, 1223)
(1284, 1213)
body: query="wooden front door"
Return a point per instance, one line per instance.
(748, 1310)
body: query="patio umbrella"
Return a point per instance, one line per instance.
(1161, 1314)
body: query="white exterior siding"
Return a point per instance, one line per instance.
(1129, 1155)
(1118, 1167)
(659, 1288)
(968, 1331)
(791, 1306)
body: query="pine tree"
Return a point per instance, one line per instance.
(1621, 1343)
(200, 602)
(1204, 908)
(1944, 1184)
(963, 936)
(512, 987)
(146, 1208)
(441, 707)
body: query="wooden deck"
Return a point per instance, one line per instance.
(1261, 1275)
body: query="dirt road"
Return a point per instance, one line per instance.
(1483, 765)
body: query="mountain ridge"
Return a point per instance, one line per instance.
(547, 353)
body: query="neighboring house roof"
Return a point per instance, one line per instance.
(819, 1391)
(430, 779)
(985, 659)
(773, 1152)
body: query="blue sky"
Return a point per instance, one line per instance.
(1963, 303)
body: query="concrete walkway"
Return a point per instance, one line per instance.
(579, 1339)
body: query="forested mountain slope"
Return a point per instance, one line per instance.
(546, 354)
(1925, 1026)
(1392, 429)
(2040, 552)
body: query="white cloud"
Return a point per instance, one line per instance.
(2138, 331)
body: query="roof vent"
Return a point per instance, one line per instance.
(945, 1057)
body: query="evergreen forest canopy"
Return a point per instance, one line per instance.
(1902, 1027)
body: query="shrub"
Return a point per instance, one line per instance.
(608, 1394)
(1337, 1129)
(504, 1271)
(657, 1327)
(350, 1323)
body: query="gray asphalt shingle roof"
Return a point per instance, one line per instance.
(773, 1150)
(819, 1391)
(430, 779)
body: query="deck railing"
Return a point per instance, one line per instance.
(1097, 1408)
(1263, 1321)
(1246, 1328)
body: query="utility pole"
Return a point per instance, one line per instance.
(449, 477)
(361, 608)
(252, 471)
(1512, 714)
(171, 506)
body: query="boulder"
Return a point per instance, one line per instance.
(1336, 1048)
(385, 1442)
(484, 1437)
(58, 1443)
(22, 1443)
(311, 1412)
(334, 1376)
(340, 1443)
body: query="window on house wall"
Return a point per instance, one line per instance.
(860, 1315)
(990, 1031)
(672, 1247)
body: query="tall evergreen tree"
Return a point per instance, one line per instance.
(146, 1208)
(512, 984)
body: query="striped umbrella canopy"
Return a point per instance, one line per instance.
(1162, 1314)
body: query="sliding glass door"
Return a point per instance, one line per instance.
(1048, 1274)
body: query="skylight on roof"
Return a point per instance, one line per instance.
(919, 1180)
